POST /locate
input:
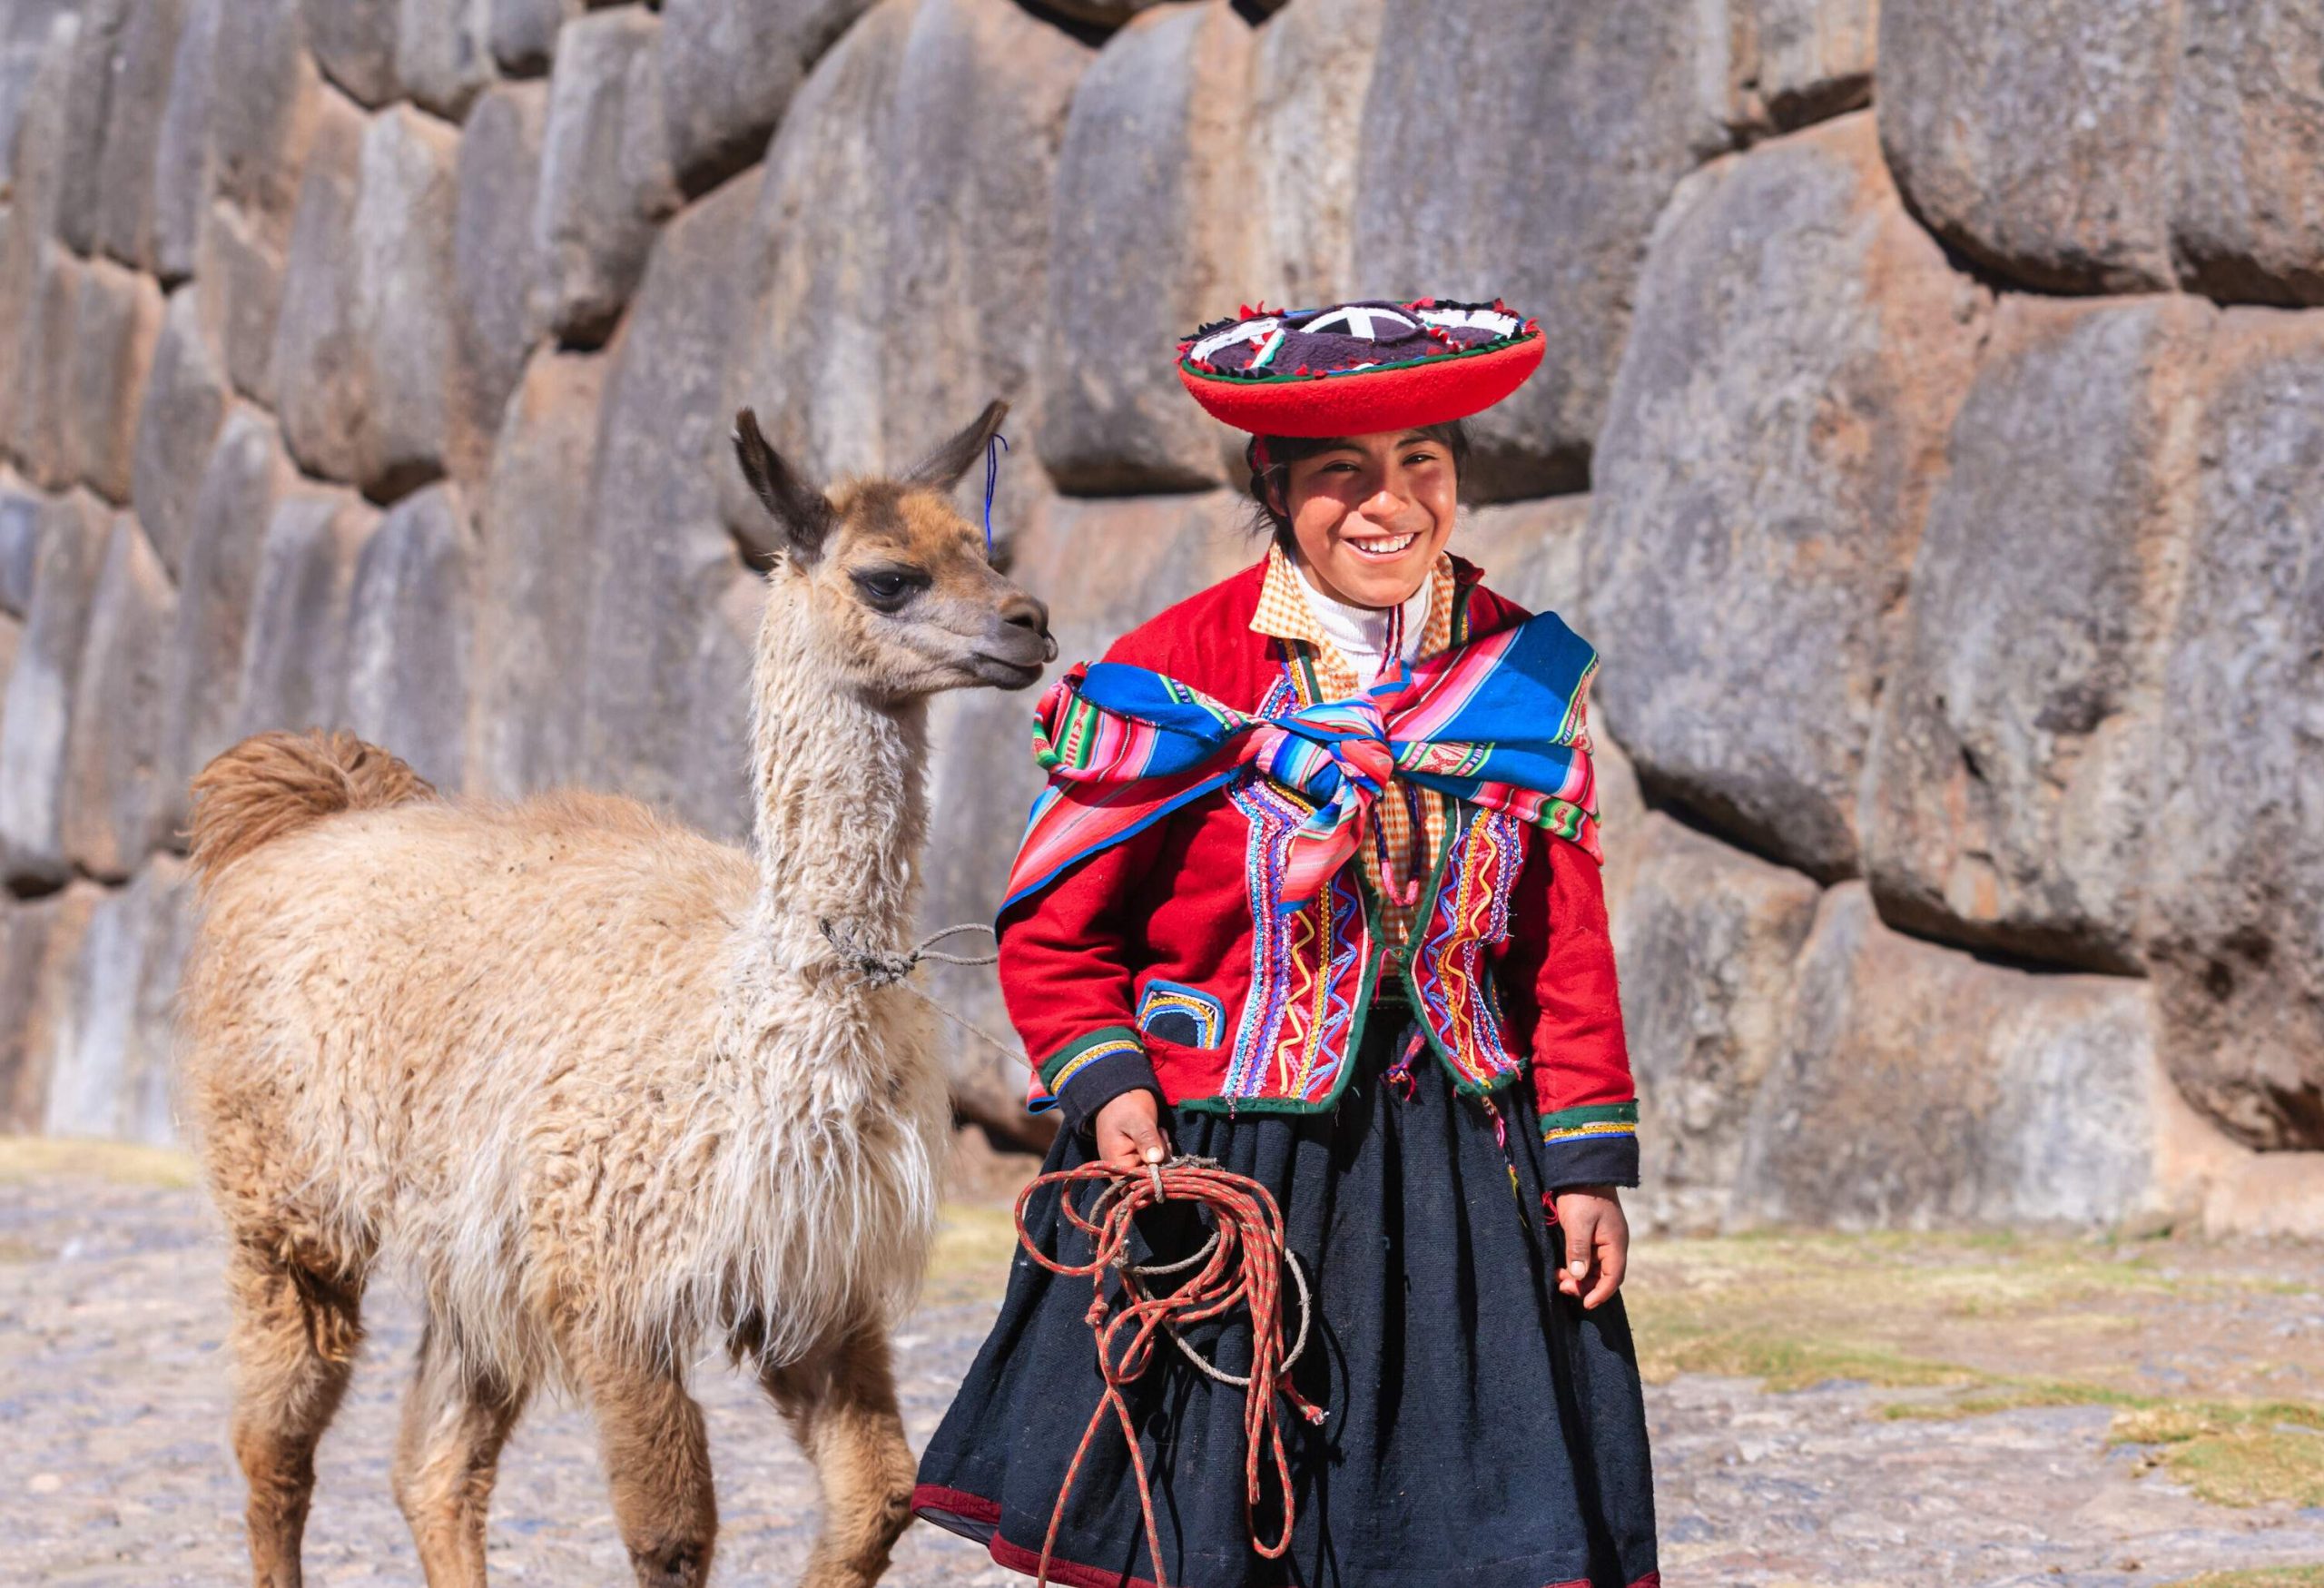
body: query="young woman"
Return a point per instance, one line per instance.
(1388, 999)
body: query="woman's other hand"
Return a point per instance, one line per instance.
(1128, 1131)
(1597, 1241)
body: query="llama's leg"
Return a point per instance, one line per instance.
(295, 1333)
(454, 1425)
(657, 1460)
(841, 1402)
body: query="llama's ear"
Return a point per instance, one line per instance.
(942, 469)
(802, 514)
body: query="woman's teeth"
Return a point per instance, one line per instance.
(1382, 549)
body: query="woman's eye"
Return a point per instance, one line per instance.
(1417, 459)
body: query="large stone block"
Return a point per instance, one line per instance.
(444, 53)
(98, 47)
(2234, 878)
(2032, 134)
(43, 375)
(185, 401)
(1531, 552)
(37, 714)
(111, 749)
(1575, 121)
(1801, 61)
(247, 473)
(981, 93)
(493, 261)
(1704, 941)
(2016, 765)
(20, 523)
(665, 690)
(811, 349)
(115, 325)
(410, 627)
(110, 1072)
(40, 944)
(294, 647)
(181, 176)
(605, 181)
(1914, 1086)
(1314, 68)
(34, 173)
(1778, 420)
(1158, 549)
(2247, 193)
(354, 42)
(524, 34)
(363, 355)
(140, 91)
(316, 365)
(1153, 170)
(728, 68)
(525, 710)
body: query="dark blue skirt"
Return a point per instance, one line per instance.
(1483, 1432)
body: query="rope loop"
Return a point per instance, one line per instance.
(1241, 1264)
(885, 968)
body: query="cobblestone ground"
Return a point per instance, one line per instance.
(114, 1392)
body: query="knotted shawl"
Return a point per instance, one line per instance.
(1497, 722)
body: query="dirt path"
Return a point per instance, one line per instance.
(113, 1389)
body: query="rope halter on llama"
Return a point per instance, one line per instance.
(1240, 1265)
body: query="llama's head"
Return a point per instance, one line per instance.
(893, 581)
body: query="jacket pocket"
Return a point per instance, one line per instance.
(1186, 1016)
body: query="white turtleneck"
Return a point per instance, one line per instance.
(1361, 633)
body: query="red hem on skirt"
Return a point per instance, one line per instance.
(942, 1506)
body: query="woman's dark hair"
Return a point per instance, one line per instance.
(1285, 450)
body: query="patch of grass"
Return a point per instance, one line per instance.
(974, 1247)
(2234, 1455)
(2259, 1577)
(1782, 1362)
(29, 1157)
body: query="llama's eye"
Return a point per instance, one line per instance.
(889, 589)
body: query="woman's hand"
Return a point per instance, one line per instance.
(1128, 1131)
(1596, 1242)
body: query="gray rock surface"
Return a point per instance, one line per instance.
(115, 324)
(605, 181)
(410, 627)
(1914, 1086)
(2247, 197)
(110, 1072)
(112, 746)
(2234, 929)
(665, 692)
(185, 401)
(40, 943)
(138, 95)
(1631, 95)
(98, 48)
(1174, 86)
(1779, 418)
(729, 68)
(248, 472)
(37, 715)
(2017, 764)
(294, 672)
(354, 42)
(403, 243)
(492, 260)
(534, 583)
(2032, 134)
(20, 524)
(315, 373)
(1705, 938)
(42, 443)
(1801, 61)
(444, 53)
(1532, 553)
(809, 358)
(181, 176)
(1312, 71)
(523, 34)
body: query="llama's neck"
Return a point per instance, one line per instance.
(842, 805)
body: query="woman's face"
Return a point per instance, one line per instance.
(1370, 513)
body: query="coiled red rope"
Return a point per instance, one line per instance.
(1241, 1265)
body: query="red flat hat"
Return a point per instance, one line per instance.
(1351, 369)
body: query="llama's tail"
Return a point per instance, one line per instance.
(274, 783)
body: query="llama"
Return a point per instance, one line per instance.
(602, 1090)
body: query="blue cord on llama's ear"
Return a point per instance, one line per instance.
(993, 449)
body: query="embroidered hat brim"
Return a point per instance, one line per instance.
(1359, 368)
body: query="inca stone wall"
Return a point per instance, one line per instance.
(1931, 437)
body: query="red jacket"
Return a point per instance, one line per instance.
(1140, 967)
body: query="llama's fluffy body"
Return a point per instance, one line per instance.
(579, 1072)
